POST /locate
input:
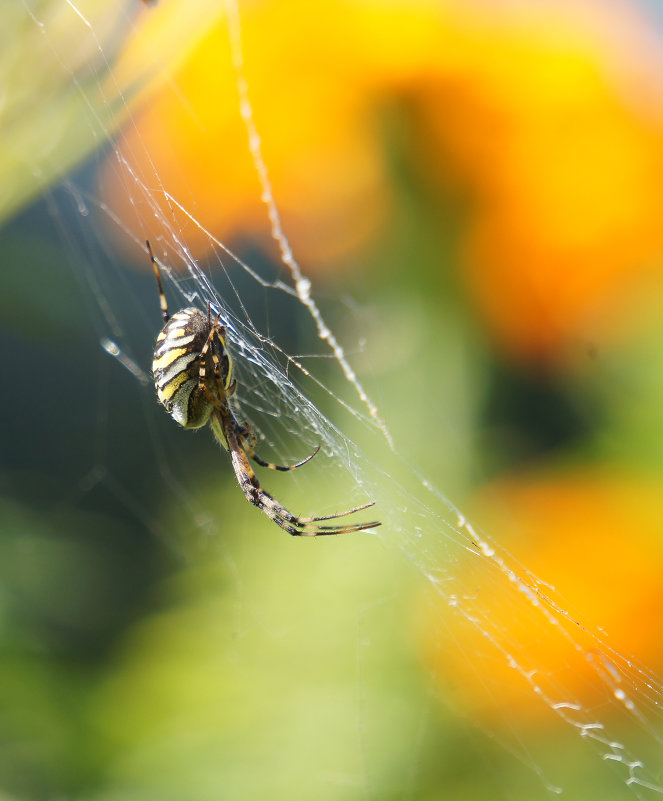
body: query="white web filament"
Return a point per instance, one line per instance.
(462, 566)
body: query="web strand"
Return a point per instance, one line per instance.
(301, 283)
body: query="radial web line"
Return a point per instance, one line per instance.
(302, 284)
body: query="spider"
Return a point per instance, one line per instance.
(193, 375)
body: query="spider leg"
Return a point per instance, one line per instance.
(248, 439)
(283, 468)
(157, 273)
(255, 494)
(309, 520)
(297, 526)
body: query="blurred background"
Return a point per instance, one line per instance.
(475, 189)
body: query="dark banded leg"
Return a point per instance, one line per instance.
(282, 467)
(297, 526)
(157, 274)
(248, 439)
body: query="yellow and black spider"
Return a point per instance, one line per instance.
(193, 376)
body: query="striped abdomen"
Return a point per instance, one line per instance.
(177, 367)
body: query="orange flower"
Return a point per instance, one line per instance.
(307, 92)
(544, 115)
(551, 124)
(595, 540)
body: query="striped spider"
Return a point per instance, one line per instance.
(194, 380)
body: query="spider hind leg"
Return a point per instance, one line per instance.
(255, 494)
(305, 526)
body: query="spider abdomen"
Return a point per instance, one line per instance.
(177, 367)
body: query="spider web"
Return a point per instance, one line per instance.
(426, 545)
